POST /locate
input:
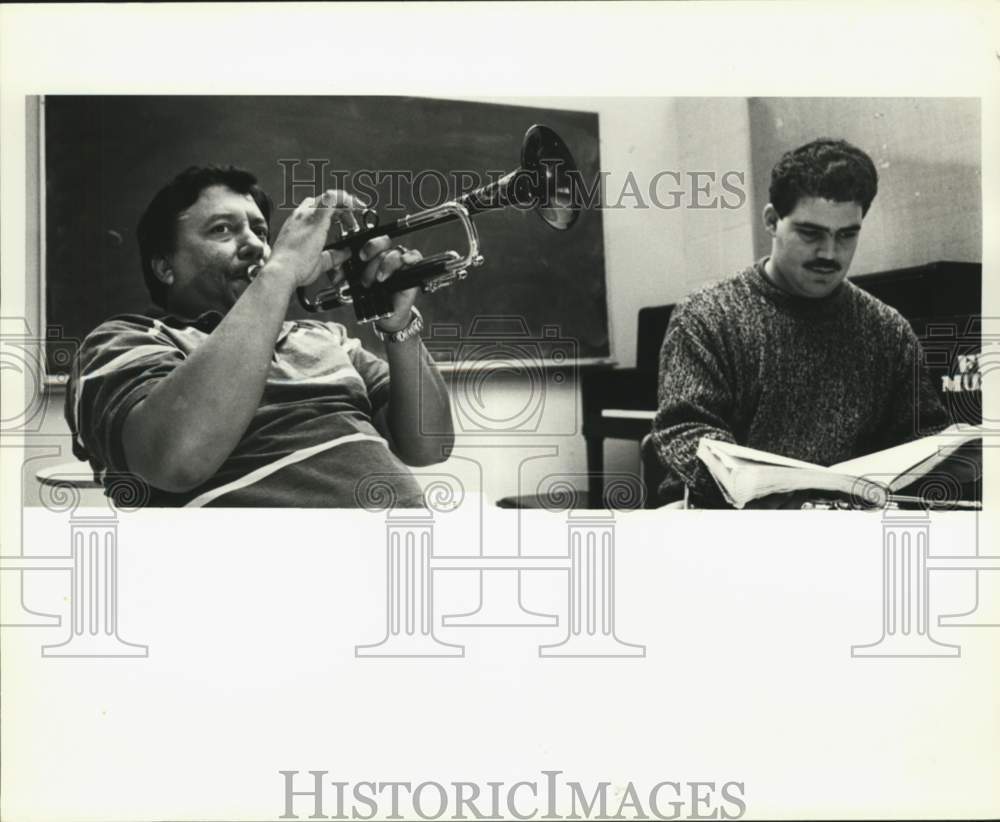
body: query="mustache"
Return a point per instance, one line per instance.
(826, 268)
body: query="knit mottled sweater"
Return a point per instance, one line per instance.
(822, 380)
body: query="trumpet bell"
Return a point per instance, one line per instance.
(549, 162)
(545, 182)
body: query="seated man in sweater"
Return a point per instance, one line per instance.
(213, 398)
(788, 356)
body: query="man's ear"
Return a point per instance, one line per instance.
(771, 218)
(161, 268)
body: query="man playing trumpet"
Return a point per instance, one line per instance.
(213, 398)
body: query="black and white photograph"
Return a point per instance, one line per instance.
(591, 420)
(809, 358)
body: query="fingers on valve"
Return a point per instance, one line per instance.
(332, 263)
(393, 260)
(374, 247)
(336, 198)
(347, 223)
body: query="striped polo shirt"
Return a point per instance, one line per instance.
(311, 442)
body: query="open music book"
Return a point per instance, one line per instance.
(745, 474)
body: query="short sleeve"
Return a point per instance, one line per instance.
(117, 366)
(372, 368)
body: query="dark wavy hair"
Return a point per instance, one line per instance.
(157, 229)
(830, 169)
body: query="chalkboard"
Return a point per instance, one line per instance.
(105, 157)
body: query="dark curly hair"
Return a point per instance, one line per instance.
(831, 169)
(157, 229)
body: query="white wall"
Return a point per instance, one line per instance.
(714, 137)
(928, 155)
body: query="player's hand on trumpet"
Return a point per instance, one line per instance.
(383, 260)
(298, 247)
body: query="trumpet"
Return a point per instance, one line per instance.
(544, 182)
